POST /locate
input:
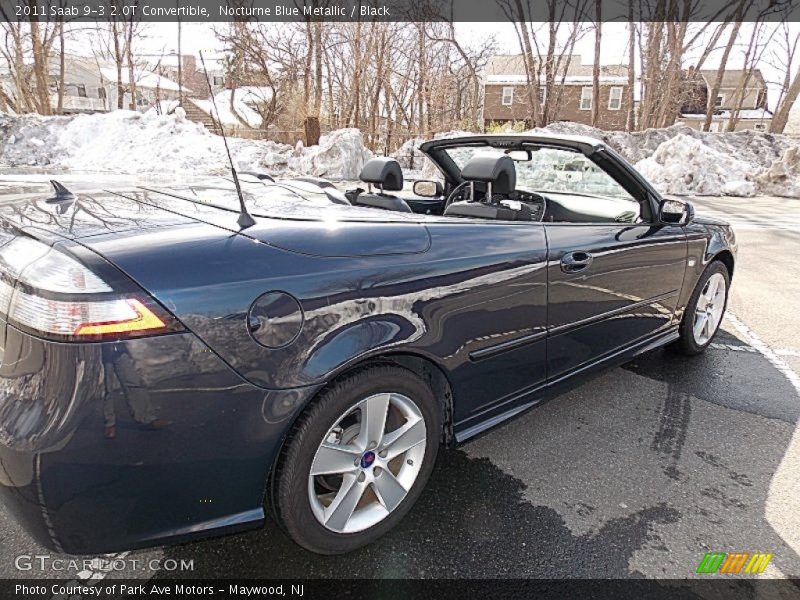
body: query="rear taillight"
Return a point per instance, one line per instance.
(47, 292)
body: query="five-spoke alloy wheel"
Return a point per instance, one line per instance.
(357, 459)
(705, 309)
(367, 462)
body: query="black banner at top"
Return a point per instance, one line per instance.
(399, 10)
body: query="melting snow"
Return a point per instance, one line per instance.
(677, 160)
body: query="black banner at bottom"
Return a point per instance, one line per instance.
(400, 589)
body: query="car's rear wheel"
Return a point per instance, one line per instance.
(357, 460)
(705, 310)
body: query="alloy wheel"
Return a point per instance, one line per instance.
(367, 463)
(709, 309)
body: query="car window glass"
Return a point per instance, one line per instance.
(577, 189)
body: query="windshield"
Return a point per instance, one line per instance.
(551, 170)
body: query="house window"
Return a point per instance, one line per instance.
(615, 98)
(586, 98)
(719, 101)
(219, 80)
(760, 126)
(81, 90)
(508, 96)
(101, 93)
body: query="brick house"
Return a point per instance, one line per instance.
(753, 114)
(505, 93)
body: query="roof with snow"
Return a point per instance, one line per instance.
(732, 78)
(759, 114)
(510, 68)
(144, 79)
(243, 100)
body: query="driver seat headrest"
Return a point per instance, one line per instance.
(500, 171)
(384, 172)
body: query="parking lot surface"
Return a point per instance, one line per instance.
(639, 472)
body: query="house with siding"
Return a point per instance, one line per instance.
(506, 100)
(740, 89)
(91, 86)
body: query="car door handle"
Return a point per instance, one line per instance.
(574, 262)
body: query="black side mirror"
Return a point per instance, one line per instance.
(675, 212)
(428, 189)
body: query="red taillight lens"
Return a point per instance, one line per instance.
(50, 293)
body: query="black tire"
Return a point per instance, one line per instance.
(290, 492)
(686, 343)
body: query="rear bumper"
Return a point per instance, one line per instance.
(78, 490)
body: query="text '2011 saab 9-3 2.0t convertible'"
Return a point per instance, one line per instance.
(183, 361)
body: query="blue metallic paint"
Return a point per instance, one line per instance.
(485, 302)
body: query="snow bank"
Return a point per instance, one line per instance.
(341, 154)
(782, 178)
(683, 165)
(678, 159)
(243, 99)
(681, 160)
(127, 142)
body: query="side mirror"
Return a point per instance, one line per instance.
(428, 189)
(675, 212)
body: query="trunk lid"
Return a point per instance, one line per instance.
(302, 222)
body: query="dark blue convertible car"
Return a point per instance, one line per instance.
(177, 363)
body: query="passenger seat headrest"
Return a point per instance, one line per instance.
(383, 171)
(500, 171)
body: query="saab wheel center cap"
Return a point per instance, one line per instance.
(367, 459)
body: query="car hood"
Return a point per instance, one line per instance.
(304, 225)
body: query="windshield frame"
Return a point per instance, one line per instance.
(596, 151)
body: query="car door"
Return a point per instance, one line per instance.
(614, 271)
(609, 286)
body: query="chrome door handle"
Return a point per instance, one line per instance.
(574, 262)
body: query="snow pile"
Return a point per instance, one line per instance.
(730, 163)
(677, 160)
(241, 100)
(341, 154)
(782, 178)
(409, 155)
(127, 142)
(683, 165)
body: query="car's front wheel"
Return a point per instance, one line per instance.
(357, 459)
(705, 310)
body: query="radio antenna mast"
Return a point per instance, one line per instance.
(245, 220)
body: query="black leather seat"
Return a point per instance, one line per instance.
(500, 176)
(387, 175)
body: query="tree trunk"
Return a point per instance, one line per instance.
(712, 96)
(61, 71)
(312, 131)
(598, 34)
(787, 102)
(630, 121)
(42, 94)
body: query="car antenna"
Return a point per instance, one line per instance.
(245, 220)
(61, 192)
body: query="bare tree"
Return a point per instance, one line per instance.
(782, 59)
(598, 35)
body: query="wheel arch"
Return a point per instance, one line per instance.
(423, 366)
(726, 258)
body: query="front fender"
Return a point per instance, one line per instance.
(706, 242)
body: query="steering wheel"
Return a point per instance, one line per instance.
(452, 195)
